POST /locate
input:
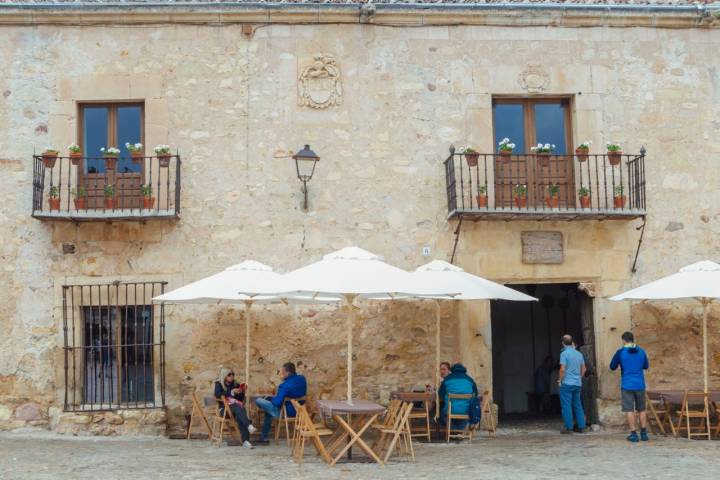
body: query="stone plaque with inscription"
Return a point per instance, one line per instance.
(542, 247)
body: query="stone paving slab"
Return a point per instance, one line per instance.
(44, 455)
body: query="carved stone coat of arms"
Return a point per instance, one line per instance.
(319, 83)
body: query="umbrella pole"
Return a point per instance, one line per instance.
(350, 320)
(437, 358)
(248, 306)
(705, 344)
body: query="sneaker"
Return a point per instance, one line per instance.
(579, 430)
(633, 437)
(643, 435)
(247, 444)
(262, 441)
(251, 428)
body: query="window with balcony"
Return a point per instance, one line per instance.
(89, 185)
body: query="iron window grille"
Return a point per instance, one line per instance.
(114, 346)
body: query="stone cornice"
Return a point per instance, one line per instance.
(410, 15)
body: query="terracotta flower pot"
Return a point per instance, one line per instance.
(148, 203)
(75, 158)
(137, 157)
(80, 203)
(109, 203)
(543, 159)
(585, 201)
(614, 157)
(552, 202)
(110, 162)
(472, 159)
(619, 202)
(505, 153)
(482, 201)
(521, 202)
(582, 154)
(49, 159)
(54, 203)
(164, 159)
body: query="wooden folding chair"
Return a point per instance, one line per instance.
(287, 421)
(400, 428)
(659, 413)
(389, 418)
(488, 419)
(304, 429)
(198, 411)
(459, 433)
(702, 428)
(223, 419)
(422, 413)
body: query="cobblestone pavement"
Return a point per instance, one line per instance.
(517, 455)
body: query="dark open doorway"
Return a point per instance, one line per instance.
(526, 349)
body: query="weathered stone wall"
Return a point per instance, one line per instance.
(230, 105)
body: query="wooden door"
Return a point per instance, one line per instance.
(526, 122)
(105, 125)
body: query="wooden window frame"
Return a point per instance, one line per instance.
(112, 107)
(529, 117)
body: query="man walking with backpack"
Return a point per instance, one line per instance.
(633, 362)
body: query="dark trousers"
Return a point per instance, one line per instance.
(242, 420)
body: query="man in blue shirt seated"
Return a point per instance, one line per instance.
(293, 386)
(633, 362)
(456, 382)
(572, 369)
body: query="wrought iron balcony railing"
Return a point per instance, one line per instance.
(99, 188)
(495, 186)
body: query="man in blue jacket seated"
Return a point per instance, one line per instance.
(633, 362)
(293, 386)
(457, 382)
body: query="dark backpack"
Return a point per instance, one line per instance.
(474, 410)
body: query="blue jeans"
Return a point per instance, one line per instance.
(571, 403)
(271, 411)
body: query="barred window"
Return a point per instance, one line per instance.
(114, 346)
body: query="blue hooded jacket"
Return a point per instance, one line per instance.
(457, 382)
(632, 361)
(294, 386)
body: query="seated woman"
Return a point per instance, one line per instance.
(227, 387)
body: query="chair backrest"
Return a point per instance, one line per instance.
(458, 397)
(696, 399)
(402, 416)
(302, 419)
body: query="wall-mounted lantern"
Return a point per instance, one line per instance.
(305, 161)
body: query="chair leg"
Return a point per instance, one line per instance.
(391, 447)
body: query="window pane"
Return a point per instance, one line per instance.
(510, 123)
(95, 137)
(550, 125)
(137, 352)
(128, 131)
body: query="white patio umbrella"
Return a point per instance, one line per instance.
(469, 286)
(222, 288)
(699, 281)
(353, 273)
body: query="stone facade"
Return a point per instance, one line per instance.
(229, 103)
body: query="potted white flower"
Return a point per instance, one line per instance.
(505, 147)
(163, 154)
(614, 153)
(582, 150)
(111, 155)
(75, 153)
(136, 151)
(49, 156)
(543, 152)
